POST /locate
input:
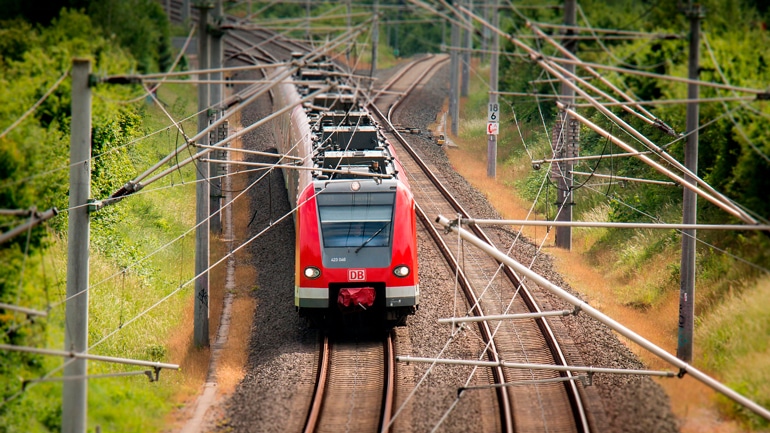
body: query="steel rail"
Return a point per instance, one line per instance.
(323, 378)
(389, 391)
(506, 414)
(392, 80)
(320, 387)
(585, 308)
(556, 351)
(415, 82)
(284, 42)
(233, 39)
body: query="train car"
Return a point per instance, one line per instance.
(356, 242)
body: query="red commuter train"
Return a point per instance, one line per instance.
(356, 241)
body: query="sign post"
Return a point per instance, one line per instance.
(493, 118)
(493, 115)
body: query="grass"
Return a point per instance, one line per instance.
(136, 260)
(730, 342)
(129, 304)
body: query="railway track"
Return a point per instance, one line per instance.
(355, 386)
(279, 402)
(355, 382)
(536, 402)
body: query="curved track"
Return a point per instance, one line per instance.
(526, 406)
(358, 366)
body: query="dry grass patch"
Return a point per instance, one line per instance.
(193, 362)
(233, 358)
(234, 355)
(231, 361)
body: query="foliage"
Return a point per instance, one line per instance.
(138, 25)
(743, 362)
(730, 149)
(410, 34)
(34, 172)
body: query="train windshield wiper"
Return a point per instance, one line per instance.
(372, 237)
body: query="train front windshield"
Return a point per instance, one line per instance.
(356, 220)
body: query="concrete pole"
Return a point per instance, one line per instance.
(467, 44)
(347, 28)
(75, 392)
(388, 29)
(493, 96)
(454, 91)
(375, 36)
(689, 198)
(396, 50)
(201, 311)
(566, 138)
(215, 94)
(185, 12)
(485, 33)
(443, 35)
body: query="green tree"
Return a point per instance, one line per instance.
(34, 158)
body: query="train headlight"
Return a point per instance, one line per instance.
(312, 272)
(355, 186)
(401, 271)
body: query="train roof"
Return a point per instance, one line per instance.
(346, 142)
(340, 117)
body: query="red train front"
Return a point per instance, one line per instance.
(356, 244)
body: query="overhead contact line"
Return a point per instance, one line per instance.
(684, 368)
(760, 93)
(722, 201)
(612, 31)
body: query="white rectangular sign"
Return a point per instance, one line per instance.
(492, 128)
(493, 113)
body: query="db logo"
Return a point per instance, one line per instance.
(356, 275)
